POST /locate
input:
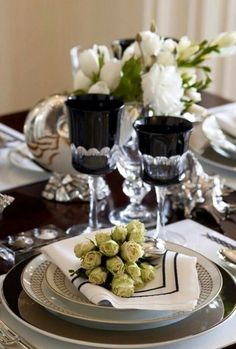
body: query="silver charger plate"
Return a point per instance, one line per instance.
(58, 297)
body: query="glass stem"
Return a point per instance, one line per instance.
(93, 214)
(160, 227)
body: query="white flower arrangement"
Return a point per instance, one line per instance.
(163, 74)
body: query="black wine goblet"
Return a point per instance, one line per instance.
(94, 125)
(163, 144)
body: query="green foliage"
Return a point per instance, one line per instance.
(129, 88)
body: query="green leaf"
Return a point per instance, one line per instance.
(129, 88)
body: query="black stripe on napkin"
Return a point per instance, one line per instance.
(175, 289)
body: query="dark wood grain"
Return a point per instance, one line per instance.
(30, 210)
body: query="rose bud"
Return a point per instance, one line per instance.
(109, 248)
(83, 247)
(98, 276)
(91, 260)
(133, 270)
(131, 251)
(101, 237)
(119, 233)
(147, 272)
(122, 285)
(115, 265)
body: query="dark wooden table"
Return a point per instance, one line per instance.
(30, 210)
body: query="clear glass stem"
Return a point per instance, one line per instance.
(160, 227)
(93, 213)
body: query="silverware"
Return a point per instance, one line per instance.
(8, 337)
(220, 241)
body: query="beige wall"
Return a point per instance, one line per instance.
(36, 35)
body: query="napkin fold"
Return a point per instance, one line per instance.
(227, 121)
(175, 287)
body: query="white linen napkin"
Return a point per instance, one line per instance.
(175, 287)
(227, 121)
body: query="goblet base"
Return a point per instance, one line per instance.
(124, 215)
(83, 228)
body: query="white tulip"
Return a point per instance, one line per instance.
(162, 90)
(102, 50)
(169, 45)
(183, 43)
(99, 87)
(128, 53)
(188, 73)
(190, 117)
(225, 39)
(89, 63)
(199, 111)
(149, 46)
(81, 81)
(111, 73)
(189, 51)
(193, 95)
(165, 58)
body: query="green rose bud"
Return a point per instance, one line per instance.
(119, 233)
(133, 270)
(138, 283)
(148, 272)
(131, 251)
(101, 237)
(109, 248)
(122, 285)
(83, 247)
(98, 276)
(115, 265)
(91, 260)
(136, 231)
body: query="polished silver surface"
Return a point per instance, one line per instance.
(47, 137)
(5, 200)
(9, 338)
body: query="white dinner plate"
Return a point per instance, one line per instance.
(61, 298)
(21, 158)
(214, 162)
(220, 142)
(35, 317)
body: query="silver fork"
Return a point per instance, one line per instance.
(8, 337)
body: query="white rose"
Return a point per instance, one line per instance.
(162, 90)
(111, 73)
(81, 81)
(99, 87)
(89, 63)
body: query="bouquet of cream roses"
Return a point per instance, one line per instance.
(163, 74)
(114, 260)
